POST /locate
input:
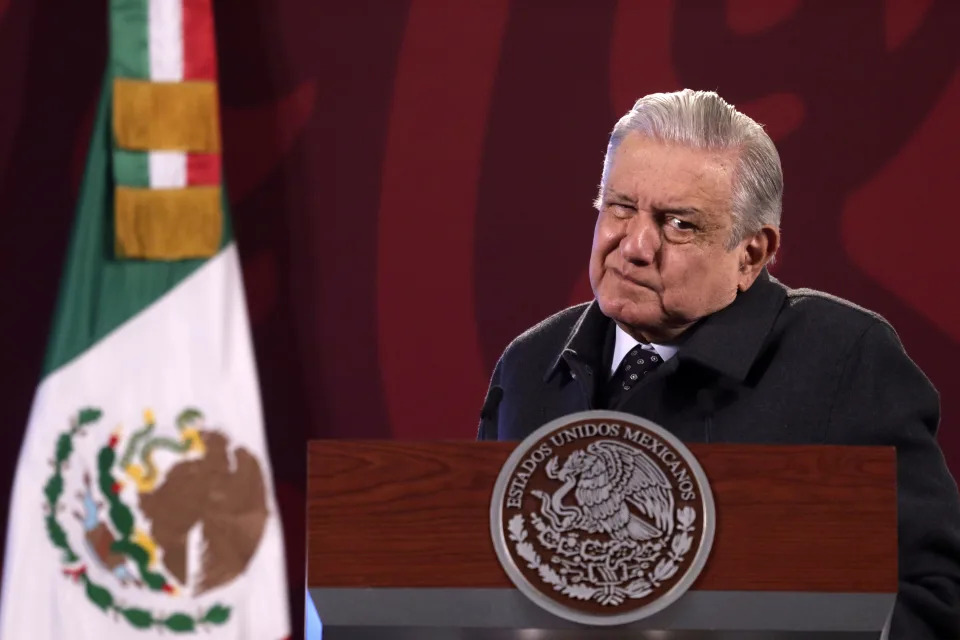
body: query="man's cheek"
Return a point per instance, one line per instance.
(677, 301)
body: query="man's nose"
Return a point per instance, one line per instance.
(642, 240)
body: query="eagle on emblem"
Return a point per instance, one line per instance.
(619, 490)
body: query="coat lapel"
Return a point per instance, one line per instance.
(729, 341)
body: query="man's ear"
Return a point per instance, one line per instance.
(756, 251)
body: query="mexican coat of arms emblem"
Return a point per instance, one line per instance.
(161, 518)
(602, 518)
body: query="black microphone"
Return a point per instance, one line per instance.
(491, 406)
(709, 399)
(706, 403)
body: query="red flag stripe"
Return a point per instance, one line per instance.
(199, 45)
(203, 169)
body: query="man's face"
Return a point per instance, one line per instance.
(660, 260)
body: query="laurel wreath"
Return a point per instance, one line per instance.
(665, 569)
(122, 519)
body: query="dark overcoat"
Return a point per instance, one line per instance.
(777, 366)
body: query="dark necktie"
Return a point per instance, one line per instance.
(634, 366)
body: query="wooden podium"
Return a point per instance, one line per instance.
(399, 546)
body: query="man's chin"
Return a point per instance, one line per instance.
(649, 323)
(633, 317)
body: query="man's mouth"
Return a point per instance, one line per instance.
(639, 282)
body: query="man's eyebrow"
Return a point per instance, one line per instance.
(690, 211)
(616, 195)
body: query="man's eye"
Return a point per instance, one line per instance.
(621, 210)
(680, 225)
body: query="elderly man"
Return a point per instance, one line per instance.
(689, 330)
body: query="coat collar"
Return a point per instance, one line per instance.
(727, 341)
(585, 342)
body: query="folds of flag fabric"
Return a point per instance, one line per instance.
(143, 502)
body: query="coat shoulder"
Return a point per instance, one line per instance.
(829, 314)
(549, 335)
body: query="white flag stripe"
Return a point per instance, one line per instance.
(190, 348)
(168, 169)
(166, 40)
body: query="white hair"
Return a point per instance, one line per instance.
(704, 120)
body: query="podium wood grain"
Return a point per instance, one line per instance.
(416, 514)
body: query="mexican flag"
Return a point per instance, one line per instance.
(143, 503)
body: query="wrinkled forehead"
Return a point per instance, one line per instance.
(648, 172)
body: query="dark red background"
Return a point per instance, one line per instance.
(411, 182)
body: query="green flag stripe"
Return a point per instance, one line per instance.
(98, 292)
(130, 38)
(131, 168)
